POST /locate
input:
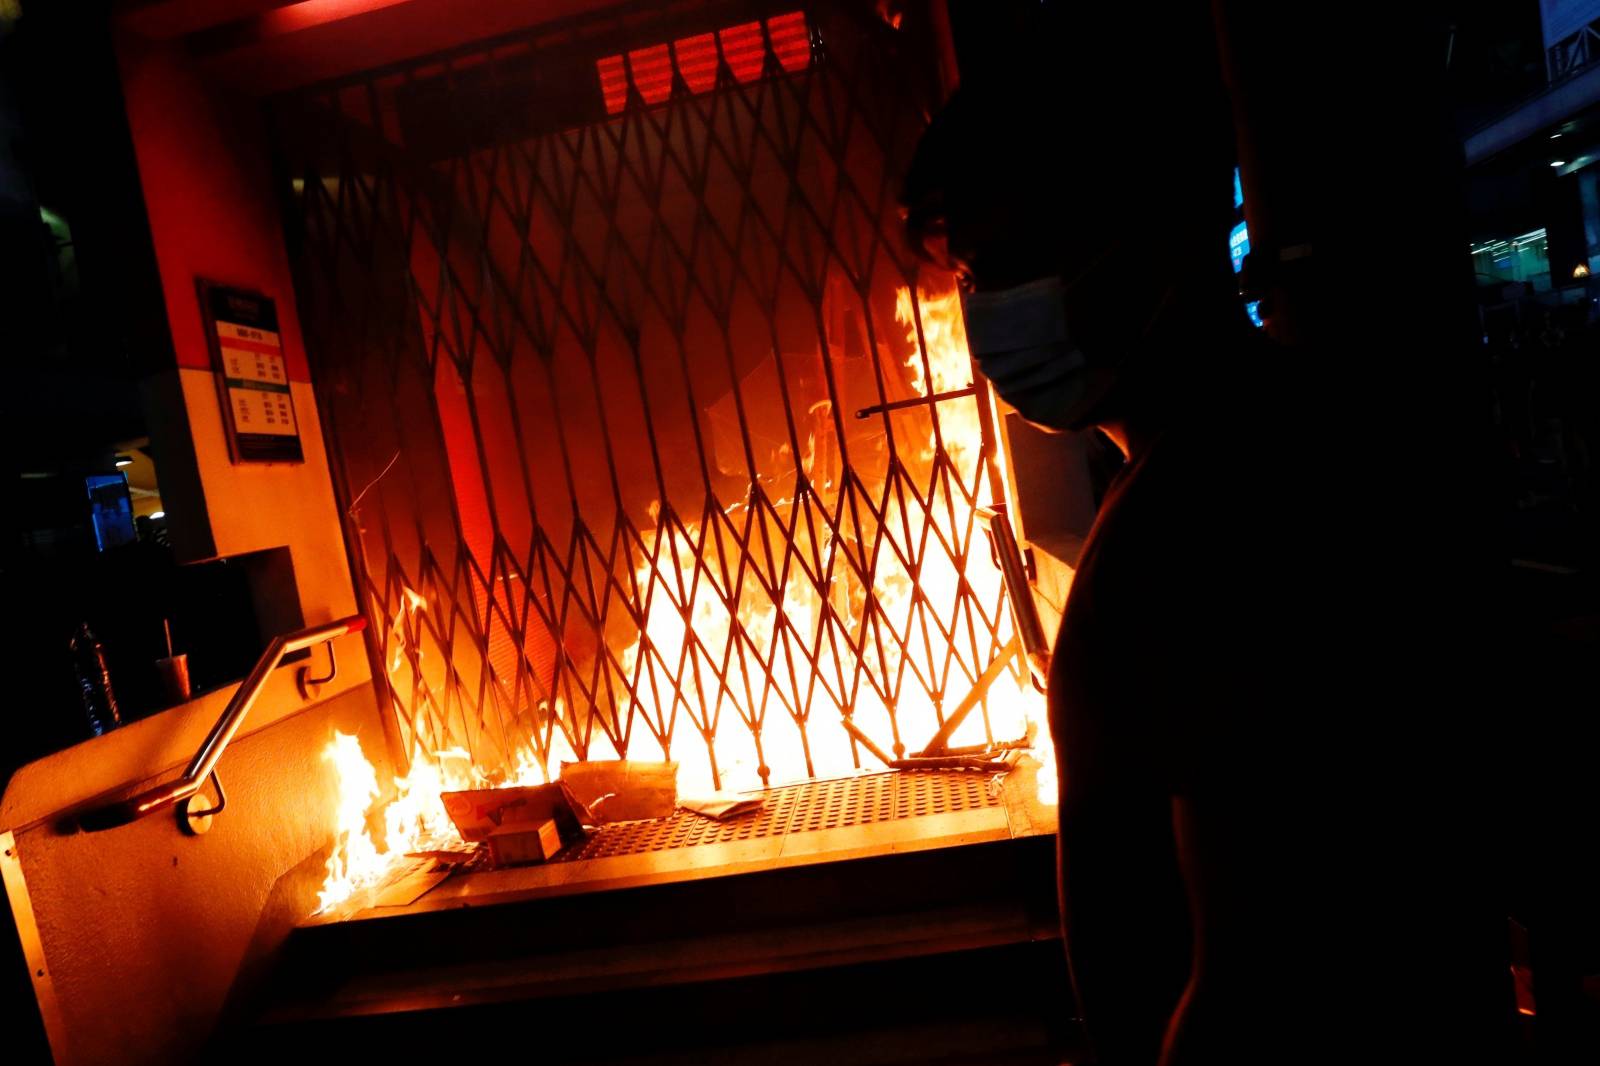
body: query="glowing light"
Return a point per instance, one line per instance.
(652, 73)
(613, 83)
(1239, 245)
(744, 49)
(291, 18)
(791, 43)
(697, 61)
(158, 514)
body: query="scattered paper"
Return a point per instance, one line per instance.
(447, 856)
(410, 886)
(721, 806)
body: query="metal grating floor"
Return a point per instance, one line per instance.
(802, 808)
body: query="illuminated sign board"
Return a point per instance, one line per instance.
(1239, 246)
(252, 375)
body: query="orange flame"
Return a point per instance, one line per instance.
(687, 621)
(413, 820)
(676, 588)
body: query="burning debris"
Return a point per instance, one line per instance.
(523, 843)
(712, 640)
(478, 813)
(621, 790)
(723, 806)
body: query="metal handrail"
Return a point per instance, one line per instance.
(204, 763)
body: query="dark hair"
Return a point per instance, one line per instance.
(1096, 123)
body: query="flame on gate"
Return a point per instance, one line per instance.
(687, 630)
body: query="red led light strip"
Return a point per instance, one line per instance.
(791, 42)
(697, 59)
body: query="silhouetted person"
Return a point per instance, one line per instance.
(1243, 879)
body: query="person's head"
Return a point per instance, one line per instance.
(1101, 155)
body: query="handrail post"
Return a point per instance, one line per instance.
(204, 763)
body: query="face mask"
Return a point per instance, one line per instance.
(1020, 340)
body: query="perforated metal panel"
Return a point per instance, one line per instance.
(807, 807)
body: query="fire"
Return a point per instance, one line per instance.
(753, 683)
(944, 338)
(355, 863)
(678, 586)
(413, 820)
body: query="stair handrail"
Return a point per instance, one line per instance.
(204, 763)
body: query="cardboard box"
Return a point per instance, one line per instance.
(620, 790)
(520, 843)
(479, 812)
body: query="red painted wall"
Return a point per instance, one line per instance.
(208, 190)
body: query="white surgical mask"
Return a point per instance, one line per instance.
(1019, 337)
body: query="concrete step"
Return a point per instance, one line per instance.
(927, 930)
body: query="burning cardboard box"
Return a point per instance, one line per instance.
(478, 813)
(620, 790)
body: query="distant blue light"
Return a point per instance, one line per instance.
(1239, 245)
(110, 510)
